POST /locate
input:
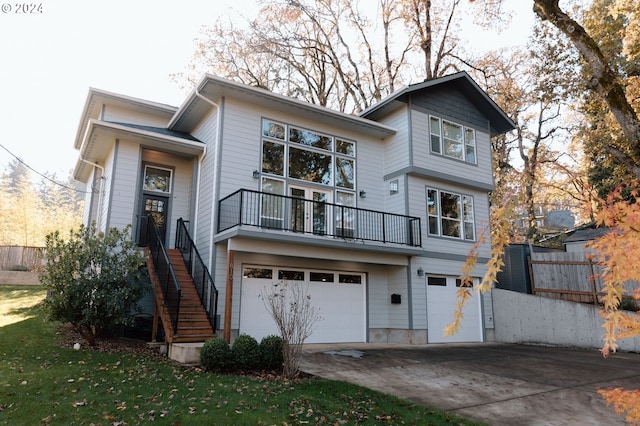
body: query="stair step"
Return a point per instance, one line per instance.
(193, 323)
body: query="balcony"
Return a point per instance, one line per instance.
(247, 208)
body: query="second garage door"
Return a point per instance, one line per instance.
(339, 295)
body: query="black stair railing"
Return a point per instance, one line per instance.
(168, 282)
(199, 272)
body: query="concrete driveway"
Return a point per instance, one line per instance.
(500, 384)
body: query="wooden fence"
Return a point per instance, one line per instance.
(567, 276)
(16, 258)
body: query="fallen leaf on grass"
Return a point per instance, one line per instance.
(79, 403)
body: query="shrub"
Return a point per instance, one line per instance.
(629, 304)
(215, 355)
(271, 357)
(295, 316)
(245, 352)
(94, 280)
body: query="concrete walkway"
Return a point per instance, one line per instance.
(500, 384)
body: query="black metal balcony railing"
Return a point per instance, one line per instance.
(272, 211)
(199, 272)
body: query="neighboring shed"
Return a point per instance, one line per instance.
(576, 242)
(515, 274)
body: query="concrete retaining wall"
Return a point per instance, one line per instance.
(523, 318)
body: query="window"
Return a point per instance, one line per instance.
(257, 273)
(345, 216)
(308, 165)
(272, 206)
(345, 173)
(439, 281)
(306, 155)
(452, 140)
(157, 179)
(350, 278)
(459, 283)
(450, 215)
(273, 158)
(290, 275)
(324, 277)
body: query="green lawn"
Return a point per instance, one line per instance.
(44, 383)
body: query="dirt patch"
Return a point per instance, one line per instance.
(115, 344)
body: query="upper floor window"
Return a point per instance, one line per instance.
(292, 152)
(450, 214)
(452, 140)
(157, 179)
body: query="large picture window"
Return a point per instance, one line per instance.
(452, 140)
(306, 155)
(450, 215)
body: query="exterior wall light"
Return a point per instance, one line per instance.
(256, 174)
(393, 187)
(363, 194)
(420, 272)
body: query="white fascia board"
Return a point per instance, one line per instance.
(223, 87)
(95, 95)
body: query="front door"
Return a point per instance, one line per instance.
(309, 211)
(154, 207)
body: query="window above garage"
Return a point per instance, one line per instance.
(452, 140)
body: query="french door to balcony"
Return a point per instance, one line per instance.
(309, 211)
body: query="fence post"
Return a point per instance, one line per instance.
(531, 275)
(592, 278)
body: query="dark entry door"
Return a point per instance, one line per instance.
(154, 207)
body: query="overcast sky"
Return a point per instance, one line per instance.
(52, 57)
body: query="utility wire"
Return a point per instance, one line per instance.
(41, 174)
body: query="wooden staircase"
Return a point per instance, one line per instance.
(193, 324)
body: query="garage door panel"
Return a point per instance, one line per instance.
(441, 304)
(342, 309)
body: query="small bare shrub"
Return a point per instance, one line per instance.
(295, 316)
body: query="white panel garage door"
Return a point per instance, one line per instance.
(441, 303)
(339, 295)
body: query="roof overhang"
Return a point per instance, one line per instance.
(215, 88)
(100, 137)
(499, 121)
(97, 98)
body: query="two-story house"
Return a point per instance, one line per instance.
(374, 214)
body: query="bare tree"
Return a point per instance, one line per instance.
(295, 316)
(337, 53)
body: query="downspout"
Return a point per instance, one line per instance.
(216, 170)
(215, 177)
(99, 213)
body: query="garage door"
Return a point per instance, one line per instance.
(441, 303)
(340, 297)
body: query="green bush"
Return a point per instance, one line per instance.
(629, 304)
(271, 353)
(245, 352)
(94, 279)
(215, 355)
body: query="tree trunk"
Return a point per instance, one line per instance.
(604, 80)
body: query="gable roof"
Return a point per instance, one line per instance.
(213, 88)
(498, 120)
(97, 98)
